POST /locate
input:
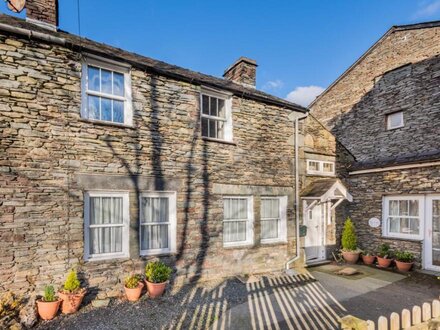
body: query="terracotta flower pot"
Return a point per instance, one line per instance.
(155, 289)
(134, 294)
(404, 266)
(71, 301)
(48, 309)
(384, 262)
(350, 257)
(368, 260)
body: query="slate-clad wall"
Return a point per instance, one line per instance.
(49, 156)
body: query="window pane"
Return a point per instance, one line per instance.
(93, 107)
(213, 108)
(414, 208)
(118, 84)
(328, 167)
(395, 120)
(93, 81)
(403, 208)
(118, 111)
(234, 231)
(235, 208)
(154, 237)
(270, 208)
(221, 108)
(220, 126)
(106, 109)
(314, 166)
(394, 208)
(414, 227)
(394, 225)
(205, 104)
(105, 240)
(106, 81)
(212, 128)
(155, 209)
(269, 229)
(106, 210)
(205, 127)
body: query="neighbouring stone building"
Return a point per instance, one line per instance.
(385, 111)
(108, 159)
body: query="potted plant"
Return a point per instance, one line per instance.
(404, 260)
(368, 257)
(156, 276)
(350, 252)
(72, 294)
(133, 287)
(49, 304)
(384, 256)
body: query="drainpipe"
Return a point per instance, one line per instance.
(289, 262)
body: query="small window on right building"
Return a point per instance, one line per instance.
(395, 120)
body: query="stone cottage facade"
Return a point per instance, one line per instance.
(385, 110)
(109, 159)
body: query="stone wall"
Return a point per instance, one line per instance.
(49, 157)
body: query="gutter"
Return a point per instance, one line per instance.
(297, 256)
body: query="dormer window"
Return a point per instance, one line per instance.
(395, 120)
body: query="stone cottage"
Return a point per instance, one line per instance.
(109, 158)
(384, 112)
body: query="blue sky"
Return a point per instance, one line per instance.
(300, 45)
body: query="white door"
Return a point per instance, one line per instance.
(314, 240)
(432, 233)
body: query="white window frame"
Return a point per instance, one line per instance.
(321, 167)
(282, 229)
(125, 231)
(385, 215)
(172, 223)
(127, 98)
(249, 223)
(401, 124)
(227, 133)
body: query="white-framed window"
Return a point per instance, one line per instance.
(320, 167)
(157, 223)
(106, 217)
(273, 219)
(215, 115)
(403, 216)
(106, 92)
(395, 120)
(238, 218)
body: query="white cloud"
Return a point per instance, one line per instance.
(428, 9)
(304, 95)
(273, 85)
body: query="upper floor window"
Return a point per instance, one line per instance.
(157, 223)
(273, 219)
(216, 119)
(320, 167)
(106, 225)
(106, 92)
(237, 221)
(395, 120)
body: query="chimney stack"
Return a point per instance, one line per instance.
(243, 72)
(43, 13)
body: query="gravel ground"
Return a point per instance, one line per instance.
(276, 301)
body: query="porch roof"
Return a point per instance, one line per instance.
(326, 189)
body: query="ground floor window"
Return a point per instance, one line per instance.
(157, 223)
(106, 225)
(403, 216)
(238, 221)
(273, 219)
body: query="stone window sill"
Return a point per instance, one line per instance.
(106, 123)
(415, 240)
(218, 141)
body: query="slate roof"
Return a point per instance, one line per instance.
(89, 46)
(318, 188)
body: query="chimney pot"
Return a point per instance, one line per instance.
(43, 13)
(243, 72)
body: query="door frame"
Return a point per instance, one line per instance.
(322, 231)
(427, 242)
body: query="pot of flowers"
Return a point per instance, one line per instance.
(133, 287)
(157, 275)
(404, 260)
(384, 256)
(72, 294)
(350, 251)
(49, 304)
(368, 258)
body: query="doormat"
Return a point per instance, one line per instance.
(334, 270)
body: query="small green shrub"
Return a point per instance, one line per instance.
(367, 253)
(72, 283)
(157, 272)
(132, 281)
(404, 256)
(384, 251)
(349, 240)
(49, 293)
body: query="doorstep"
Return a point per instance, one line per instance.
(317, 263)
(428, 272)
